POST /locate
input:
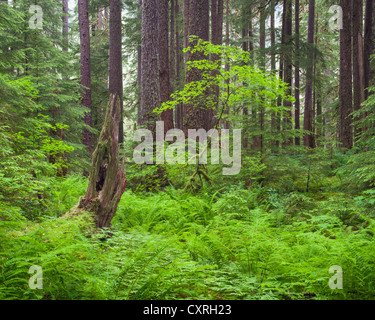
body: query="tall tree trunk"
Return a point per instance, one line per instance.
(281, 74)
(217, 11)
(107, 179)
(357, 43)
(65, 21)
(262, 47)
(172, 48)
(288, 75)
(115, 58)
(139, 69)
(297, 74)
(308, 139)
(346, 107)
(227, 38)
(196, 116)
(273, 62)
(246, 27)
(368, 42)
(245, 47)
(166, 116)
(179, 60)
(84, 32)
(150, 84)
(186, 18)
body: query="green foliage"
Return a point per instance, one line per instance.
(231, 244)
(25, 145)
(261, 89)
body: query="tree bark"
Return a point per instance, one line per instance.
(115, 58)
(186, 17)
(167, 115)
(227, 38)
(274, 119)
(150, 84)
(368, 43)
(357, 43)
(195, 116)
(262, 47)
(245, 109)
(345, 128)
(288, 74)
(179, 60)
(139, 69)
(107, 179)
(297, 73)
(65, 21)
(85, 59)
(308, 139)
(281, 76)
(172, 48)
(217, 11)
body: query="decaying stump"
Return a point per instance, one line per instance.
(107, 178)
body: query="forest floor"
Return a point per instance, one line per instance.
(237, 244)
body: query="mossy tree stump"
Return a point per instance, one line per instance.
(107, 179)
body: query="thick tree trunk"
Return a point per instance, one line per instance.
(345, 131)
(368, 43)
(227, 38)
(107, 179)
(358, 72)
(217, 11)
(115, 58)
(84, 32)
(308, 139)
(195, 116)
(179, 60)
(166, 116)
(288, 75)
(150, 84)
(172, 48)
(297, 74)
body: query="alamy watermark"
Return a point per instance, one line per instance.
(176, 151)
(336, 21)
(336, 282)
(36, 20)
(36, 281)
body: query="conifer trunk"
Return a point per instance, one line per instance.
(85, 59)
(115, 57)
(164, 76)
(150, 82)
(196, 116)
(179, 60)
(288, 72)
(308, 139)
(346, 84)
(297, 73)
(368, 43)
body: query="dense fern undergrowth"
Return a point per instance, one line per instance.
(264, 239)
